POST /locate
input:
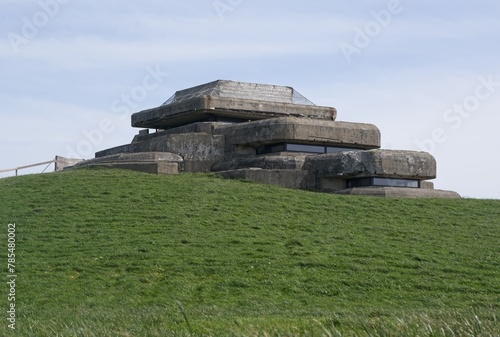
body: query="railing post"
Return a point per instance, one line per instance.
(16, 169)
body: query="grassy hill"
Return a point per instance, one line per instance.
(118, 253)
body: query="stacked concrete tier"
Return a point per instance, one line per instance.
(261, 133)
(221, 101)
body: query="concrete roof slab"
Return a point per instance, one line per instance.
(374, 163)
(304, 131)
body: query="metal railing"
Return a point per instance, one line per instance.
(16, 169)
(60, 164)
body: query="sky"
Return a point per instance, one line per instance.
(427, 73)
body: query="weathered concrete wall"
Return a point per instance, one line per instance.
(198, 150)
(211, 139)
(190, 146)
(153, 168)
(328, 184)
(176, 114)
(62, 162)
(271, 162)
(284, 178)
(202, 108)
(230, 149)
(199, 127)
(374, 163)
(149, 156)
(396, 192)
(149, 162)
(302, 130)
(427, 185)
(206, 144)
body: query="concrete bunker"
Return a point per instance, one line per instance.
(269, 134)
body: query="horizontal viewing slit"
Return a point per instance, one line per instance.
(384, 182)
(306, 148)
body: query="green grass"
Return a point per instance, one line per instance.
(118, 253)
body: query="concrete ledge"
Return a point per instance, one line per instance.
(281, 162)
(398, 192)
(62, 162)
(199, 127)
(133, 157)
(374, 163)
(284, 178)
(189, 146)
(303, 130)
(206, 107)
(427, 185)
(153, 168)
(150, 162)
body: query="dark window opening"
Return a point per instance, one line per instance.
(359, 182)
(386, 182)
(306, 148)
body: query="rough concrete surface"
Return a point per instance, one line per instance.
(150, 162)
(253, 132)
(303, 130)
(284, 178)
(396, 192)
(208, 108)
(374, 163)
